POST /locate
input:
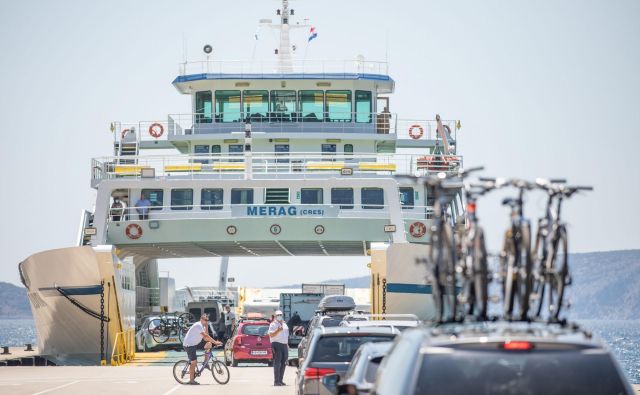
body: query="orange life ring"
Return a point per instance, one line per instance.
(133, 231)
(156, 130)
(418, 229)
(413, 135)
(124, 133)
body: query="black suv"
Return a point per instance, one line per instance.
(500, 358)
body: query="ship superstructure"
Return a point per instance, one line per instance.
(280, 157)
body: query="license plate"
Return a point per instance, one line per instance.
(172, 339)
(259, 352)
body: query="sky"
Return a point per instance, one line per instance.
(542, 88)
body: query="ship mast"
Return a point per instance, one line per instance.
(284, 53)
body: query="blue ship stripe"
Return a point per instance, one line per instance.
(409, 288)
(280, 76)
(78, 291)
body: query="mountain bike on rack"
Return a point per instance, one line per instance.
(515, 256)
(217, 368)
(169, 325)
(472, 265)
(550, 253)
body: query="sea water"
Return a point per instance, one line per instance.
(622, 337)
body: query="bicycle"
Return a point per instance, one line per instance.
(218, 369)
(472, 265)
(515, 257)
(550, 253)
(169, 325)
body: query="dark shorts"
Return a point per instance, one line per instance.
(191, 353)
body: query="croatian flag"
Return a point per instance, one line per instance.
(312, 33)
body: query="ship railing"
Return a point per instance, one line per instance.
(274, 165)
(421, 129)
(352, 210)
(280, 122)
(259, 68)
(130, 132)
(417, 213)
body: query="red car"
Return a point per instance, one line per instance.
(249, 343)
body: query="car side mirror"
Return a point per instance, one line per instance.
(331, 381)
(347, 389)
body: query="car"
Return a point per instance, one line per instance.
(249, 342)
(499, 358)
(359, 379)
(145, 342)
(330, 353)
(331, 311)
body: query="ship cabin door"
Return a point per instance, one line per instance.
(118, 205)
(383, 117)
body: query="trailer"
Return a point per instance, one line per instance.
(297, 310)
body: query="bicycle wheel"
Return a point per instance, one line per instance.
(480, 275)
(523, 273)
(559, 271)
(444, 275)
(181, 371)
(220, 372)
(539, 280)
(185, 320)
(508, 263)
(158, 329)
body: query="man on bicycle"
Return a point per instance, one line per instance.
(197, 333)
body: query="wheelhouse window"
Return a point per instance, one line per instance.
(363, 106)
(283, 106)
(181, 199)
(406, 197)
(255, 105)
(228, 106)
(203, 107)
(343, 197)
(338, 106)
(211, 199)
(311, 196)
(311, 106)
(372, 198)
(241, 196)
(155, 196)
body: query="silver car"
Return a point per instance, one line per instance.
(361, 375)
(329, 356)
(499, 358)
(146, 342)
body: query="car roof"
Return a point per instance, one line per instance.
(254, 322)
(347, 330)
(375, 323)
(492, 332)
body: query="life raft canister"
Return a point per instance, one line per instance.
(156, 130)
(133, 231)
(416, 134)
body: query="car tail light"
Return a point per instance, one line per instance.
(471, 207)
(517, 346)
(239, 340)
(316, 373)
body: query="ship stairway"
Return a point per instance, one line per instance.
(277, 196)
(125, 150)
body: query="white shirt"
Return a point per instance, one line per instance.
(283, 336)
(194, 336)
(228, 317)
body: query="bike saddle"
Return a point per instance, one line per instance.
(509, 202)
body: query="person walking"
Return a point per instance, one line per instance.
(279, 335)
(229, 321)
(194, 336)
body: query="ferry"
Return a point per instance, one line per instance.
(280, 157)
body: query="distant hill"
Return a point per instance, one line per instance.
(606, 285)
(13, 301)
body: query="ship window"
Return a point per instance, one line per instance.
(406, 197)
(338, 106)
(363, 107)
(372, 198)
(228, 106)
(201, 150)
(282, 150)
(276, 196)
(241, 196)
(256, 105)
(181, 199)
(283, 106)
(311, 196)
(155, 196)
(343, 197)
(348, 148)
(311, 106)
(236, 150)
(211, 199)
(203, 107)
(215, 152)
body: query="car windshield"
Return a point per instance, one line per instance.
(331, 321)
(256, 330)
(342, 348)
(498, 373)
